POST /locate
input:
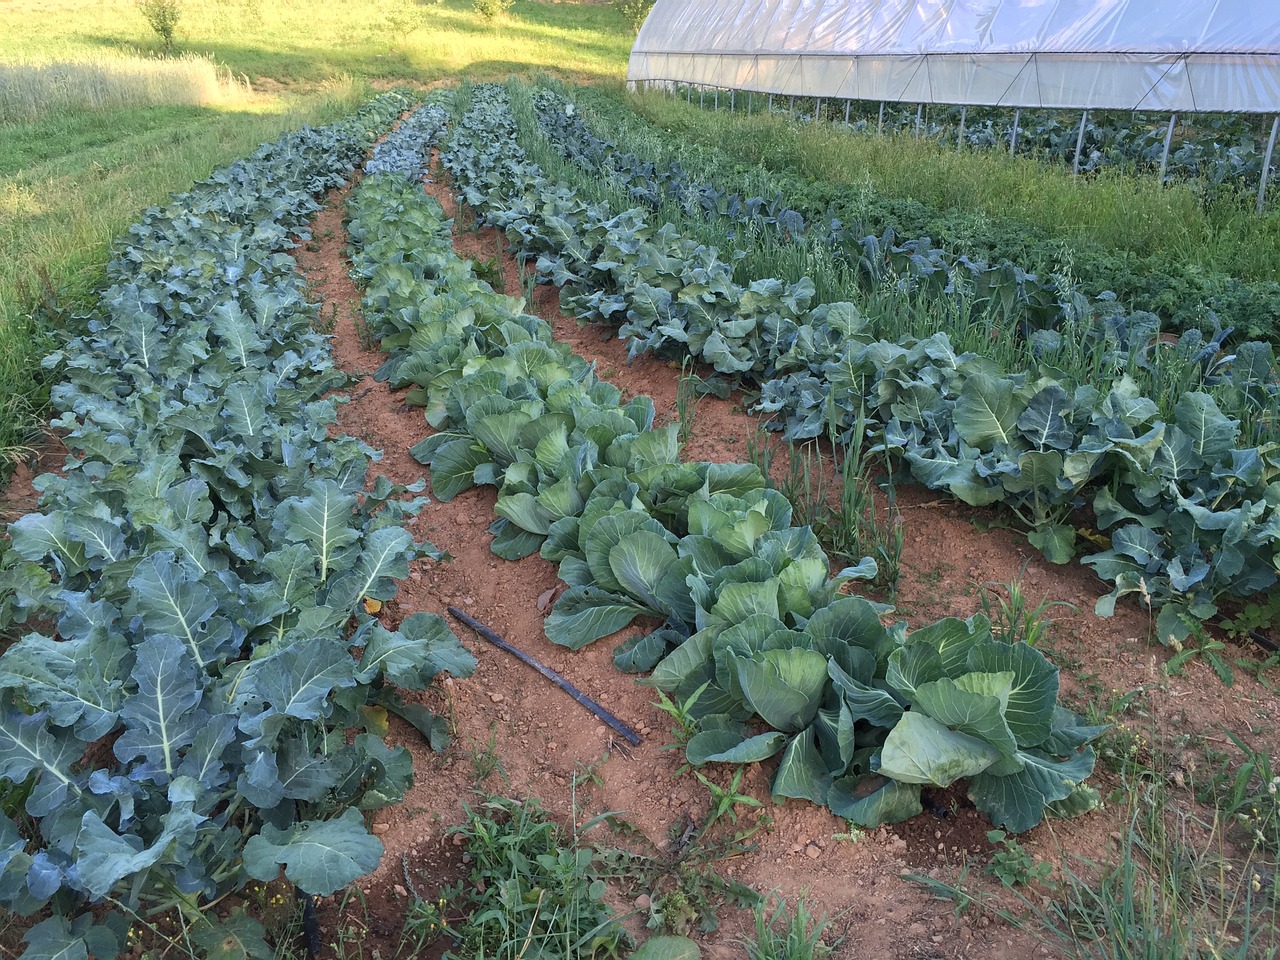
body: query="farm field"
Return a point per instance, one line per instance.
(848, 510)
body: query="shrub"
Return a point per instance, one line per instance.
(493, 9)
(635, 11)
(163, 16)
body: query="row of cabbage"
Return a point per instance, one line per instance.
(872, 232)
(1208, 309)
(740, 606)
(1192, 505)
(177, 721)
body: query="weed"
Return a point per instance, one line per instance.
(162, 16)
(724, 803)
(686, 724)
(366, 335)
(531, 891)
(486, 761)
(686, 399)
(490, 271)
(1013, 864)
(781, 936)
(1011, 614)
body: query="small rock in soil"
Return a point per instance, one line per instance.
(381, 828)
(496, 697)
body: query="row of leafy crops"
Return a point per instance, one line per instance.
(178, 719)
(744, 619)
(1189, 498)
(862, 224)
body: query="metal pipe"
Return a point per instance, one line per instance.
(732, 93)
(716, 105)
(689, 90)
(1168, 142)
(817, 111)
(1266, 165)
(847, 105)
(792, 108)
(751, 101)
(1013, 137)
(880, 122)
(919, 118)
(1075, 164)
(771, 103)
(964, 111)
(702, 98)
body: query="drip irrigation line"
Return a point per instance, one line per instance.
(542, 668)
(310, 923)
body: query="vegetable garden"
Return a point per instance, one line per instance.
(226, 670)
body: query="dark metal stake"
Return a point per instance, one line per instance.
(542, 668)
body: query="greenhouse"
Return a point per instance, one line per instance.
(1081, 54)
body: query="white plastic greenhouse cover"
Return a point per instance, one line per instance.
(1165, 55)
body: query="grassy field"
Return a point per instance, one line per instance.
(1118, 210)
(76, 169)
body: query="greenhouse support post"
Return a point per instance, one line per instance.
(817, 111)
(771, 103)
(964, 111)
(880, 122)
(1168, 142)
(1266, 165)
(689, 88)
(751, 100)
(1013, 134)
(792, 108)
(919, 118)
(716, 104)
(1075, 164)
(847, 105)
(702, 98)
(732, 93)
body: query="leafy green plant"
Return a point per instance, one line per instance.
(1012, 864)
(486, 760)
(745, 607)
(780, 935)
(216, 586)
(724, 801)
(162, 16)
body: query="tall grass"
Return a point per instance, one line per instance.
(59, 215)
(30, 91)
(1118, 210)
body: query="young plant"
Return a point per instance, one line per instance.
(1011, 614)
(780, 935)
(162, 16)
(1013, 864)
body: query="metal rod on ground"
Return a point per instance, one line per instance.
(542, 668)
(919, 118)
(1013, 137)
(1168, 142)
(1075, 164)
(1266, 165)
(880, 122)
(964, 112)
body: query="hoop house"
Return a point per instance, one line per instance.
(1190, 56)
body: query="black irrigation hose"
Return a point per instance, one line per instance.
(542, 668)
(310, 923)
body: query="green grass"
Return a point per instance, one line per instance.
(297, 41)
(1120, 211)
(59, 213)
(74, 178)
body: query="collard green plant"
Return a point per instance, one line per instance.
(193, 584)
